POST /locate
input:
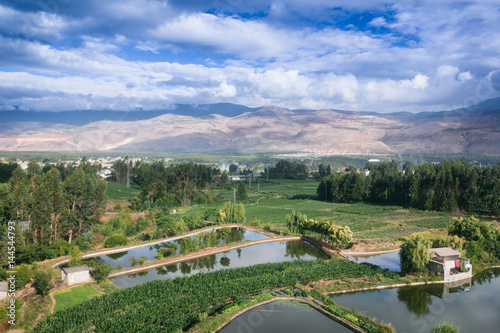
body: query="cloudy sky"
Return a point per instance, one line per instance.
(389, 56)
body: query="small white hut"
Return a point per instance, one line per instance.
(448, 263)
(73, 275)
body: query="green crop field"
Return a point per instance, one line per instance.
(68, 298)
(121, 192)
(271, 202)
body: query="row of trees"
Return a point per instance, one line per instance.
(179, 184)
(50, 209)
(447, 186)
(287, 170)
(298, 223)
(483, 240)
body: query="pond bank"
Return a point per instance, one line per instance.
(164, 240)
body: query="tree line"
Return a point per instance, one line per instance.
(284, 169)
(328, 231)
(51, 208)
(178, 184)
(447, 186)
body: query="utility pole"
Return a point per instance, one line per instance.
(128, 173)
(234, 195)
(258, 185)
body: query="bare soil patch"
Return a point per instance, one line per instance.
(363, 245)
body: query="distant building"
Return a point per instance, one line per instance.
(374, 160)
(234, 178)
(74, 275)
(254, 175)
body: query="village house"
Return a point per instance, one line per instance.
(449, 264)
(74, 275)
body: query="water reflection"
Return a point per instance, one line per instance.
(471, 304)
(182, 246)
(298, 250)
(417, 300)
(248, 256)
(388, 260)
(283, 316)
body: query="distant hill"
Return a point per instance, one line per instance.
(83, 117)
(236, 128)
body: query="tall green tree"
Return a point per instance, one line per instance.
(19, 198)
(241, 193)
(232, 213)
(84, 200)
(414, 254)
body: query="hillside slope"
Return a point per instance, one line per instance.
(473, 130)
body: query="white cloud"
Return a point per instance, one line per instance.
(465, 76)
(447, 70)
(378, 22)
(425, 61)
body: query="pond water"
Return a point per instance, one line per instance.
(388, 260)
(283, 316)
(474, 306)
(243, 257)
(122, 258)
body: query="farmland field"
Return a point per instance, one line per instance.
(277, 198)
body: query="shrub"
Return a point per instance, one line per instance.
(445, 327)
(116, 240)
(100, 270)
(42, 281)
(370, 328)
(76, 257)
(83, 244)
(133, 261)
(23, 276)
(255, 223)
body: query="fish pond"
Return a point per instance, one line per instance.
(283, 316)
(278, 251)
(183, 245)
(474, 305)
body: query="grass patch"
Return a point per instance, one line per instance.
(117, 191)
(68, 298)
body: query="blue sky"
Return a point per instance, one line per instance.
(414, 55)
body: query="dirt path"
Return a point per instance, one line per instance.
(51, 295)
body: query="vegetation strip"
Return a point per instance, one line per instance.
(178, 304)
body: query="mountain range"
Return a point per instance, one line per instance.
(230, 128)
